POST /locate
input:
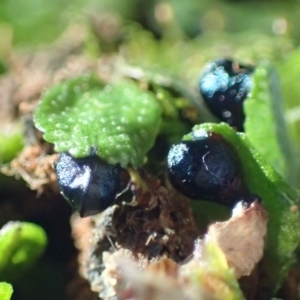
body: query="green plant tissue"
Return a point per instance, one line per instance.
(119, 121)
(6, 291)
(21, 244)
(290, 75)
(265, 125)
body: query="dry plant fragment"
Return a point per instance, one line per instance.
(242, 237)
(82, 231)
(147, 285)
(34, 167)
(205, 277)
(164, 266)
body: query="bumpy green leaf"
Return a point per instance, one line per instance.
(278, 198)
(6, 291)
(119, 121)
(265, 126)
(21, 244)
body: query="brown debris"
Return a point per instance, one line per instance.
(164, 266)
(165, 227)
(82, 234)
(79, 288)
(35, 167)
(30, 74)
(28, 77)
(155, 233)
(99, 251)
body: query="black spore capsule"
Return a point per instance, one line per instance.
(89, 184)
(206, 168)
(224, 85)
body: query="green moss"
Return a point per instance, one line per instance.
(261, 124)
(118, 121)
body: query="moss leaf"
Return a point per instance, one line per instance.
(120, 121)
(6, 291)
(290, 75)
(21, 244)
(280, 201)
(262, 125)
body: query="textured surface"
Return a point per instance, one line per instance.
(119, 121)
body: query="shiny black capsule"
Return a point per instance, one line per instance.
(224, 85)
(89, 184)
(206, 168)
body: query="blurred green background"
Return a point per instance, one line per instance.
(36, 22)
